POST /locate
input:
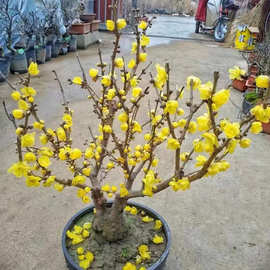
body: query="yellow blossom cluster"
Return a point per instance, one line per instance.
(85, 258)
(79, 233)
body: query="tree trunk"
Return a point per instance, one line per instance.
(110, 222)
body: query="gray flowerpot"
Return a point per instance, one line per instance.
(18, 63)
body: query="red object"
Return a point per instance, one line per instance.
(94, 25)
(266, 128)
(201, 11)
(103, 10)
(251, 82)
(253, 70)
(239, 85)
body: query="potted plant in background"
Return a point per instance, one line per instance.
(238, 77)
(120, 234)
(12, 32)
(4, 64)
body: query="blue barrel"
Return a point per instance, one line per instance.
(4, 67)
(19, 63)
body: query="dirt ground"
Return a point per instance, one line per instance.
(219, 224)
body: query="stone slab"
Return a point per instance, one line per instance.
(85, 40)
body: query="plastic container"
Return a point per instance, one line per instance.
(18, 63)
(159, 265)
(4, 67)
(41, 55)
(56, 49)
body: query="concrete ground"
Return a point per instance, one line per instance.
(219, 224)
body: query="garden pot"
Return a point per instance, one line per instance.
(247, 106)
(31, 56)
(56, 49)
(64, 50)
(239, 85)
(158, 265)
(253, 70)
(48, 52)
(4, 67)
(88, 17)
(41, 55)
(94, 25)
(72, 44)
(250, 83)
(18, 63)
(80, 28)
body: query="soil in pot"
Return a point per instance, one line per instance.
(114, 255)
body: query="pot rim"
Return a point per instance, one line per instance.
(153, 213)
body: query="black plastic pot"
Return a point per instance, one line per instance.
(18, 63)
(4, 67)
(31, 56)
(48, 52)
(41, 55)
(159, 265)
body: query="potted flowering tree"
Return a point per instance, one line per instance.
(118, 234)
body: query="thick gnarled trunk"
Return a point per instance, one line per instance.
(109, 222)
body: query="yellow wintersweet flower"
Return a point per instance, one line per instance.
(158, 225)
(173, 144)
(77, 80)
(28, 140)
(16, 95)
(256, 127)
(110, 25)
(196, 82)
(136, 127)
(18, 114)
(144, 252)
(110, 165)
(147, 219)
(80, 250)
(143, 57)
(44, 161)
(32, 181)
(121, 24)
(232, 130)
(59, 187)
(107, 129)
(124, 127)
(129, 266)
(31, 99)
(236, 73)
(133, 211)
(155, 162)
(111, 94)
(180, 112)
(231, 146)
(38, 125)
(184, 156)
(171, 107)
(200, 160)
(262, 81)
(203, 123)
(158, 239)
(134, 81)
(198, 146)
(28, 91)
(29, 157)
(245, 143)
(136, 92)
(87, 225)
(145, 40)
(61, 134)
(19, 169)
(67, 118)
(134, 47)
(156, 120)
(106, 188)
(50, 180)
(143, 25)
(51, 132)
(180, 184)
(205, 90)
(86, 171)
(192, 127)
(23, 105)
(261, 114)
(78, 180)
(93, 73)
(132, 64)
(114, 189)
(119, 62)
(106, 81)
(221, 97)
(182, 123)
(85, 264)
(33, 69)
(81, 193)
(75, 153)
(123, 191)
(85, 233)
